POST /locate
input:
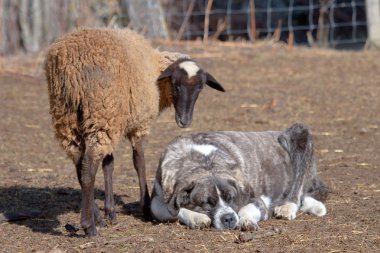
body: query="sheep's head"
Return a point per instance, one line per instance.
(187, 80)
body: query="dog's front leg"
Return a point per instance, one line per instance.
(286, 211)
(249, 216)
(193, 219)
(255, 211)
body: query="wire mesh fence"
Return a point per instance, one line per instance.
(30, 25)
(344, 21)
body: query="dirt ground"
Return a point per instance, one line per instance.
(268, 87)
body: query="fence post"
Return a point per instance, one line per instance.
(207, 20)
(323, 24)
(373, 23)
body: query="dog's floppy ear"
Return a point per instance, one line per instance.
(180, 197)
(211, 81)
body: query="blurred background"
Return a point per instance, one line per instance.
(29, 25)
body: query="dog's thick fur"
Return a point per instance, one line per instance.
(235, 179)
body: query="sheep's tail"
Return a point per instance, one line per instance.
(63, 80)
(65, 100)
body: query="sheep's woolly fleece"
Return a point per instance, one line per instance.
(102, 85)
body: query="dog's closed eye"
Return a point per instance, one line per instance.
(228, 198)
(206, 205)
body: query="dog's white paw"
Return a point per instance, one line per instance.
(199, 221)
(287, 211)
(313, 206)
(193, 219)
(246, 224)
(249, 216)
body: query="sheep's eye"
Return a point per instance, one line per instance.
(176, 90)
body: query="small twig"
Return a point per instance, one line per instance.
(207, 20)
(277, 32)
(222, 25)
(291, 40)
(310, 39)
(112, 21)
(185, 20)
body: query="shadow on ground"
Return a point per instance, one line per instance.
(39, 208)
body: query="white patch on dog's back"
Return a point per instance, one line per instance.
(190, 67)
(267, 201)
(203, 149)
(313, 206)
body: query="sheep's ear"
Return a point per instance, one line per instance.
(211, 81)
(166, 73)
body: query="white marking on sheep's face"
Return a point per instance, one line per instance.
(190, 68)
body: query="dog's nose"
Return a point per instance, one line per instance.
(229, 220)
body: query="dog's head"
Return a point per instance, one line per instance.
(218, 198)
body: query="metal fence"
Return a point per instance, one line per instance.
(345, 19)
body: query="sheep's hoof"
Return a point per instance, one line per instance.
(101, 223)
(111, 217)
(91, 231)
(147, 215)
(98, 217)
(99, 220)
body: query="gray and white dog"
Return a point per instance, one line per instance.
(236, 179)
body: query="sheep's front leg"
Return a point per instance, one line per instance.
(109, 202)
(90, 212)
(139, 163)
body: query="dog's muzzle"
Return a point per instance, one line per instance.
(228, 221)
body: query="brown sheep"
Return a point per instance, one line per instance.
(108, 83)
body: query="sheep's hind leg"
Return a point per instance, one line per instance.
(109, 202)
(97, 215)
(139, 164)
(90, 212)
